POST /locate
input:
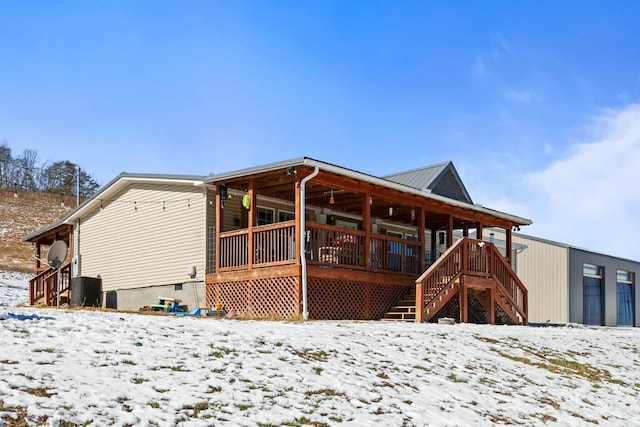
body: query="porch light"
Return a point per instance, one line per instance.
(390, 210)
(62, 199)
(332, 201)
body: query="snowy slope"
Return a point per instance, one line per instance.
(13, 288)
(100, 368)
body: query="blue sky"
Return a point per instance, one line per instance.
(536, 103)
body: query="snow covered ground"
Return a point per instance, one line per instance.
(13, 288)
(77, 367)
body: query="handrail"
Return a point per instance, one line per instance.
(438, 276)
(515, 292)
(442, 258)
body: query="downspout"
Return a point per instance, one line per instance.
(303, 239)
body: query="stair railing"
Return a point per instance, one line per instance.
(509, 284)
(44, 286)
(475, 258)
(438, 276)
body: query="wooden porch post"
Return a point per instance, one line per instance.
(38, 254)
(421, 218)
(465, 230)
(219, 222)
(509, 248)
(298, 220)
(70, 247)
(251, 223)
(434, 240)
(479, 231)
(366, 225)
(449, 230)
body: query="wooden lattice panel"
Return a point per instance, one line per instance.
(383, 298)
(272, 297)
(338, 299)
(451, 309)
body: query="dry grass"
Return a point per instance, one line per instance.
(20, 216)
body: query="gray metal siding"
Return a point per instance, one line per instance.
(577, 259)
(448, 186)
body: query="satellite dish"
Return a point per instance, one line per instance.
(57, 254)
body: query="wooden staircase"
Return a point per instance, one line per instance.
(474, 272)
(404, 310)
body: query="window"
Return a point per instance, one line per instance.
(592, 294)
(286, 216)
(265, 216)
(624, 291)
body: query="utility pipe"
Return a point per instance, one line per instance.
(303, 239)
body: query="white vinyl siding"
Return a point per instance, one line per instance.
(146, 243)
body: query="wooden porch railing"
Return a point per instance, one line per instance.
(273, 244)
(395, 254)
(476, 258)
(328, 244)
(44, 286)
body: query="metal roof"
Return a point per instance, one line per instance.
(422, 178)
(124, 178)
(428, 177)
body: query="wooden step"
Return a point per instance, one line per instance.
(397, 316)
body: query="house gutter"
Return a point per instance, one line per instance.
(303, 239)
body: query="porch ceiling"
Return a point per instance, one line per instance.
(349, 194)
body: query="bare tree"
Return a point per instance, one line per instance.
(6, 164)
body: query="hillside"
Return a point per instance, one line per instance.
(91, 368)
(20, 216)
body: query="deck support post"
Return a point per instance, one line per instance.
(419, 302)
(464, 306)
(479, 231)
(491, 307)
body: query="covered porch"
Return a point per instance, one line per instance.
(46, 285)
(306, 238)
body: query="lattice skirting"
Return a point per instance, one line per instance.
(338, 299)
(273, 297)
(477, 311)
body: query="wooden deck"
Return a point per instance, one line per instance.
(355, 276)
